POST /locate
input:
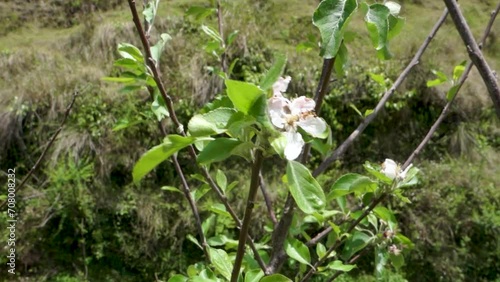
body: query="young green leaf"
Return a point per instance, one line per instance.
(254, 275)
(130, 51)
(458, 71)
(386, 215)
(221, 262)
(350, 183)
(218, 150)
(274, 72)
(199, 13)
(242, 94)
(157, 49)
(377, 23)
(298, 251)
(338, 265)
(214, 34)
(441, 78)
(355, 243)
(178, 278)
(275, 278)
(213, 122)
(341, 60)
(221, 180)
(304, 188)
(156, 155)
(397, 260)
(331, 17)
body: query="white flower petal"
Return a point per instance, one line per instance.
(275, 107)
(302, 104)
(315, 126)
(294, 145)
(390, 168)
(281, 85)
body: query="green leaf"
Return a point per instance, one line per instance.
(396, 25)
(199, 13)
(402, 239)
(213, 122)
(397, 260)
(377, 23)
(178, 278)
(381, 257)
(304, 188)
(221, 262)
(320, 250)
(221, 180)
(378, 78)
(242, 94)
(341, 60)
(156, 155)
(355, 109)
(441, 78)
(150, 11)
(254, 275)
(231, 37)
(349, 183)
(368, 112)
(331, 17)
(452, 92)
(130, 64)
(259, 111)
(124, 80)
(386, 215)
(338, 265)
(194, 240)
(458, 71)
(219, 209)
(355, 243)
(275, 278)
(131, 52)
(298, 251)
(159, 107)
(158, 48)
(171, 189)
(274, 72)
(218, 150)
(376, 172)
(214, 34)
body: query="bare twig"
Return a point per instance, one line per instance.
(357, 132)
(180, 128)
(254, 187)
(475, 53)
(281, 230)
(267, 199)
(51, 142)
(446, 108)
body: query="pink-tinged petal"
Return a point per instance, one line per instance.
(314, 126)
(390, 168)
(302, 104)
(281, 85)
(294, 145)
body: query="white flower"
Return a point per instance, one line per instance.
(286, 115)
(393, 170)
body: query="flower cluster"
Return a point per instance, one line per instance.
(288, 115)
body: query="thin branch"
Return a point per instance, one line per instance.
(357, 132)
(51, 142)
(267, 199)
(252, 193)
(281, 231)
(169, 103)
(338, 242)
(446, 108)
(180, 127)
(475, 53)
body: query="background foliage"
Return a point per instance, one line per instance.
(82, 216)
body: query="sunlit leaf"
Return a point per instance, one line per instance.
(156, 155)
(304, 188)
(242, 94)
(297, 250)
(221, 262)
(213, 122)
(274, 72)
(331, 17)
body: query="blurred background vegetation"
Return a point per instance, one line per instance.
(82, 218)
